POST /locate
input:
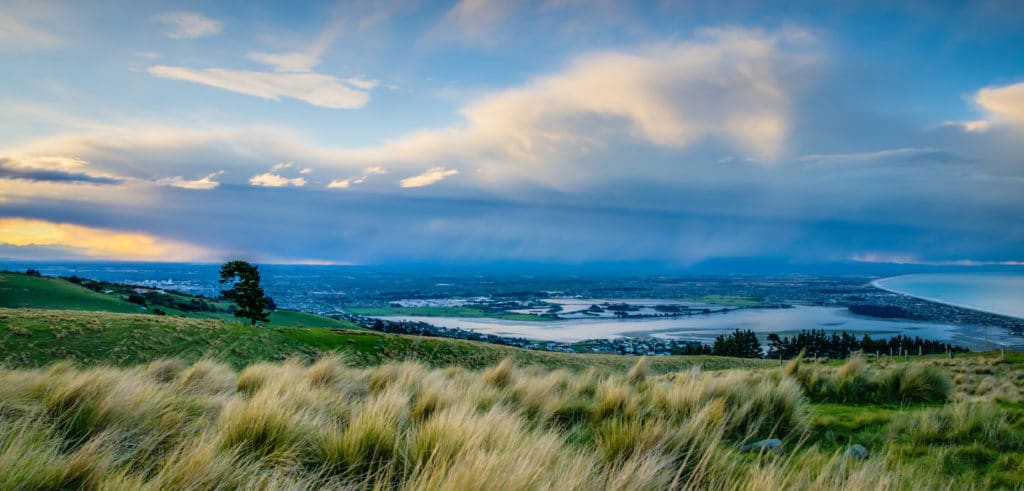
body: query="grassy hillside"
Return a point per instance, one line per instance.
(23, 291)
(32, 337)
(18, 290)
(171, 425)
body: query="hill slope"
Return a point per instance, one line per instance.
(19, 290)
(34, 337)
(23, 291)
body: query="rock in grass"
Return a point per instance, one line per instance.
(762, 445)
(857, 451)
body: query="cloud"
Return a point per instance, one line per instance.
(97, 243)
(346, 183)
(362, 83)
(725, 87)
(313, 88)
(893, 156)
(301, 61)
(341, 183)
(271, 180)
(204, 183)
(975, 126)
(189, 25)
(431, 176)
(472, 21)
(24, 33)
(52, 169)
(287, 62)
(281, 166)
(563, 130)
(1003, 104)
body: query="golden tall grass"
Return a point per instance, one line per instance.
(168, 425)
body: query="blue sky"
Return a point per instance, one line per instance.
(554, 131)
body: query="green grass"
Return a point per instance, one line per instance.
(18, 290)
(468, 312)
(726, 301)
(23, 291)
(294, 318)
(34, 337)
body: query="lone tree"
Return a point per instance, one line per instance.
(245, 290)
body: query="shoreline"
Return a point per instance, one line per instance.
(877, 284)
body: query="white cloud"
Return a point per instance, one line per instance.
(340, 183)
(287, 62)
(431, 176)
(1004, 104)
(979, 125)
(271, 180)
(305, 170)
(346, 183)
(362, 83)
(274, 179)
(206, 182)
(561, 130)
(189, 25)
(729, 87)
(314, 88)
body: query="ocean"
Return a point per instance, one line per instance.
(997, 293)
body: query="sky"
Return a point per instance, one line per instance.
(557, 131)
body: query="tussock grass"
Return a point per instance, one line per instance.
(289, 425)
(856, 382)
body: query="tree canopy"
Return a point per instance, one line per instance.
(245, 290)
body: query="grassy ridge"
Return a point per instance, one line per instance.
(33, 337)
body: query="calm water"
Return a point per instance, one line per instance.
(995, 293)
(706, 327)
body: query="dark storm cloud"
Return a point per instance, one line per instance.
(293, 224)
(10, 170)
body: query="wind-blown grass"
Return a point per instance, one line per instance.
(173, 425)
(854, 382)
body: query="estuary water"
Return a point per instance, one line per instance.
(706, 327)
(995, 293)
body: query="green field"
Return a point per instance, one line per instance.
(726, 301)
(470, 312)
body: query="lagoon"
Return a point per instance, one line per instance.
(706, 327)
